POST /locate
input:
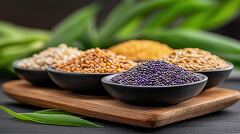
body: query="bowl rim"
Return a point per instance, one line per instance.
(51, 69)
(105, 80)
(15, 65)
(230, 67)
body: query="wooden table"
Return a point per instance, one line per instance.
(226, 121)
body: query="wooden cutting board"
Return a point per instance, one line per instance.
(107, 108)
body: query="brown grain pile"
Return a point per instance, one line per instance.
(195, 59)
(96, 61)
(142, 49)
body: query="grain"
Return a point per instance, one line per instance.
(96, 61)
(141, 49)
(156, 73)
(49, 57)
(195, 59)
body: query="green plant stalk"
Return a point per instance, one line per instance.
(229, 56)
(228, 10)
(196, 21)
(115, 15)
(182, 8)
(25, 47)
(215, 17)
(91, 38)
(111, 27)
(132, 27)
(51, 119)
(123, 15)
(181, 38)
(51, 111)
(9, 54)
(19, 42)
(13, 114)
(7, 42)
(59, 119)
(10, 30)
(74, 18)
(227, 48)
(73, 26)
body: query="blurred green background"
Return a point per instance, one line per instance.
(212, 25)
(46, 14)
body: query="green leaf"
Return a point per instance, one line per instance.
(16, 35)
(14, 31)
(114, 16)
(27, 48)
(17, 42)
(51, 119)
(11, 53)
(165, 17)
(196, 21)
(9, 30)
(52, 111)
(215, 17)
(7, 42)
(91, 39)
(59, 119)
(115, 23)
(182, 38)
(73, 27)
(13, 114)
(225, 47)
(235, 58)
(131, 28)
(228, 10)
(14, 49)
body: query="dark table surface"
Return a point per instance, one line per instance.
(226, 121)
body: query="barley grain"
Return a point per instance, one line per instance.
(195, 59)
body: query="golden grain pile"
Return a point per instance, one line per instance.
(141, 49)
(195, 59)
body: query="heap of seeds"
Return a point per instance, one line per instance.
(156, 73)
(96, 61)
(49, 57)
(139, 50)
(195, 59)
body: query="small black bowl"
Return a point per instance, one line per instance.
(153, 95)
(215, 77)
(36, 77)
(78, 82)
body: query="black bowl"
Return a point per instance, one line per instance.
(153, 95)
(78, 82)
(36, 77)
(215, 77)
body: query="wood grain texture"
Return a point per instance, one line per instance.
(107, 108)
